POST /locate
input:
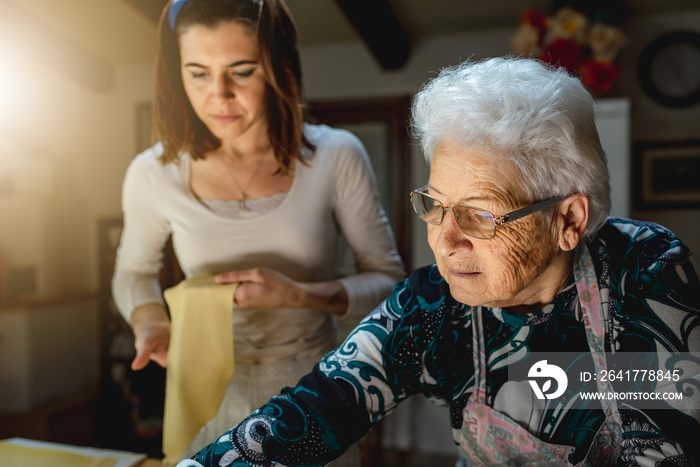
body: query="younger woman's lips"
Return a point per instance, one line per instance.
(225, 118)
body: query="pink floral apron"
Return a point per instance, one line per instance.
(488, 437)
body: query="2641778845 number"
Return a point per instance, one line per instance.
(640, 375)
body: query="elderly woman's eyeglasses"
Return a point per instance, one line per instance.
(474, 222)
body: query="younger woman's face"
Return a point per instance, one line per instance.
(223, 78)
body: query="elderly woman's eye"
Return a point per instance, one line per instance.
(480, 217)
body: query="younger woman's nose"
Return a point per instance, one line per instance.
(223, 87)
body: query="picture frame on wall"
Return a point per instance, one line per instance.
(666, 175)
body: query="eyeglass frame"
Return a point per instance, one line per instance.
(498, 221)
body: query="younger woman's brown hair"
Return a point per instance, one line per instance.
(177, 126)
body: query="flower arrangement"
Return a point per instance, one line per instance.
(586, 48)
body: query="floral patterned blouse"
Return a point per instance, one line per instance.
(419, 342)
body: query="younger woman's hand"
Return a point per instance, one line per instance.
(263, 288)
(151, 328)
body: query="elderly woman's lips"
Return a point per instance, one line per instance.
(464, 274)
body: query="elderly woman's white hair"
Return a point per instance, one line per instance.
(538, 118)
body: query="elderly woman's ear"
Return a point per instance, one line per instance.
(573, 217)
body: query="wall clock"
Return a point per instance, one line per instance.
(669, 69)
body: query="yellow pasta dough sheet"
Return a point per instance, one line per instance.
(200, 359)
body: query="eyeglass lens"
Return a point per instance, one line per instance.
(474, 222)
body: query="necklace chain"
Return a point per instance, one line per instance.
(244, 196)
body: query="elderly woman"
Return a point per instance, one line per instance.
(542, 321)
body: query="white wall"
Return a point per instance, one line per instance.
(113, 149)
(350, 70)
(70, 146)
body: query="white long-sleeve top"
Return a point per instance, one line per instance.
(334, 193)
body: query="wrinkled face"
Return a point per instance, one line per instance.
(223, 78)
(509, 270)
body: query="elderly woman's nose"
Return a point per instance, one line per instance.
(450, 237)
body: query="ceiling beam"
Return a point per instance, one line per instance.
(379, 28)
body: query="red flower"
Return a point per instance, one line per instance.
(565, 53)
(537, 20)
(599, 76)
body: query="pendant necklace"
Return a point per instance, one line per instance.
(244, 196)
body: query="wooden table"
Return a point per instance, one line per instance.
(150, 463)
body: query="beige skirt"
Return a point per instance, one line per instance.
(252, 386)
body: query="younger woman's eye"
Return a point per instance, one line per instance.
(198, 74)
(244, 73)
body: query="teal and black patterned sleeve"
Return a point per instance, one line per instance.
(336, 404)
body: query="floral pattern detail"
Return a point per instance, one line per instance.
(645, 445)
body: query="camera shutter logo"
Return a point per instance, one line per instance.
(541, 370)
